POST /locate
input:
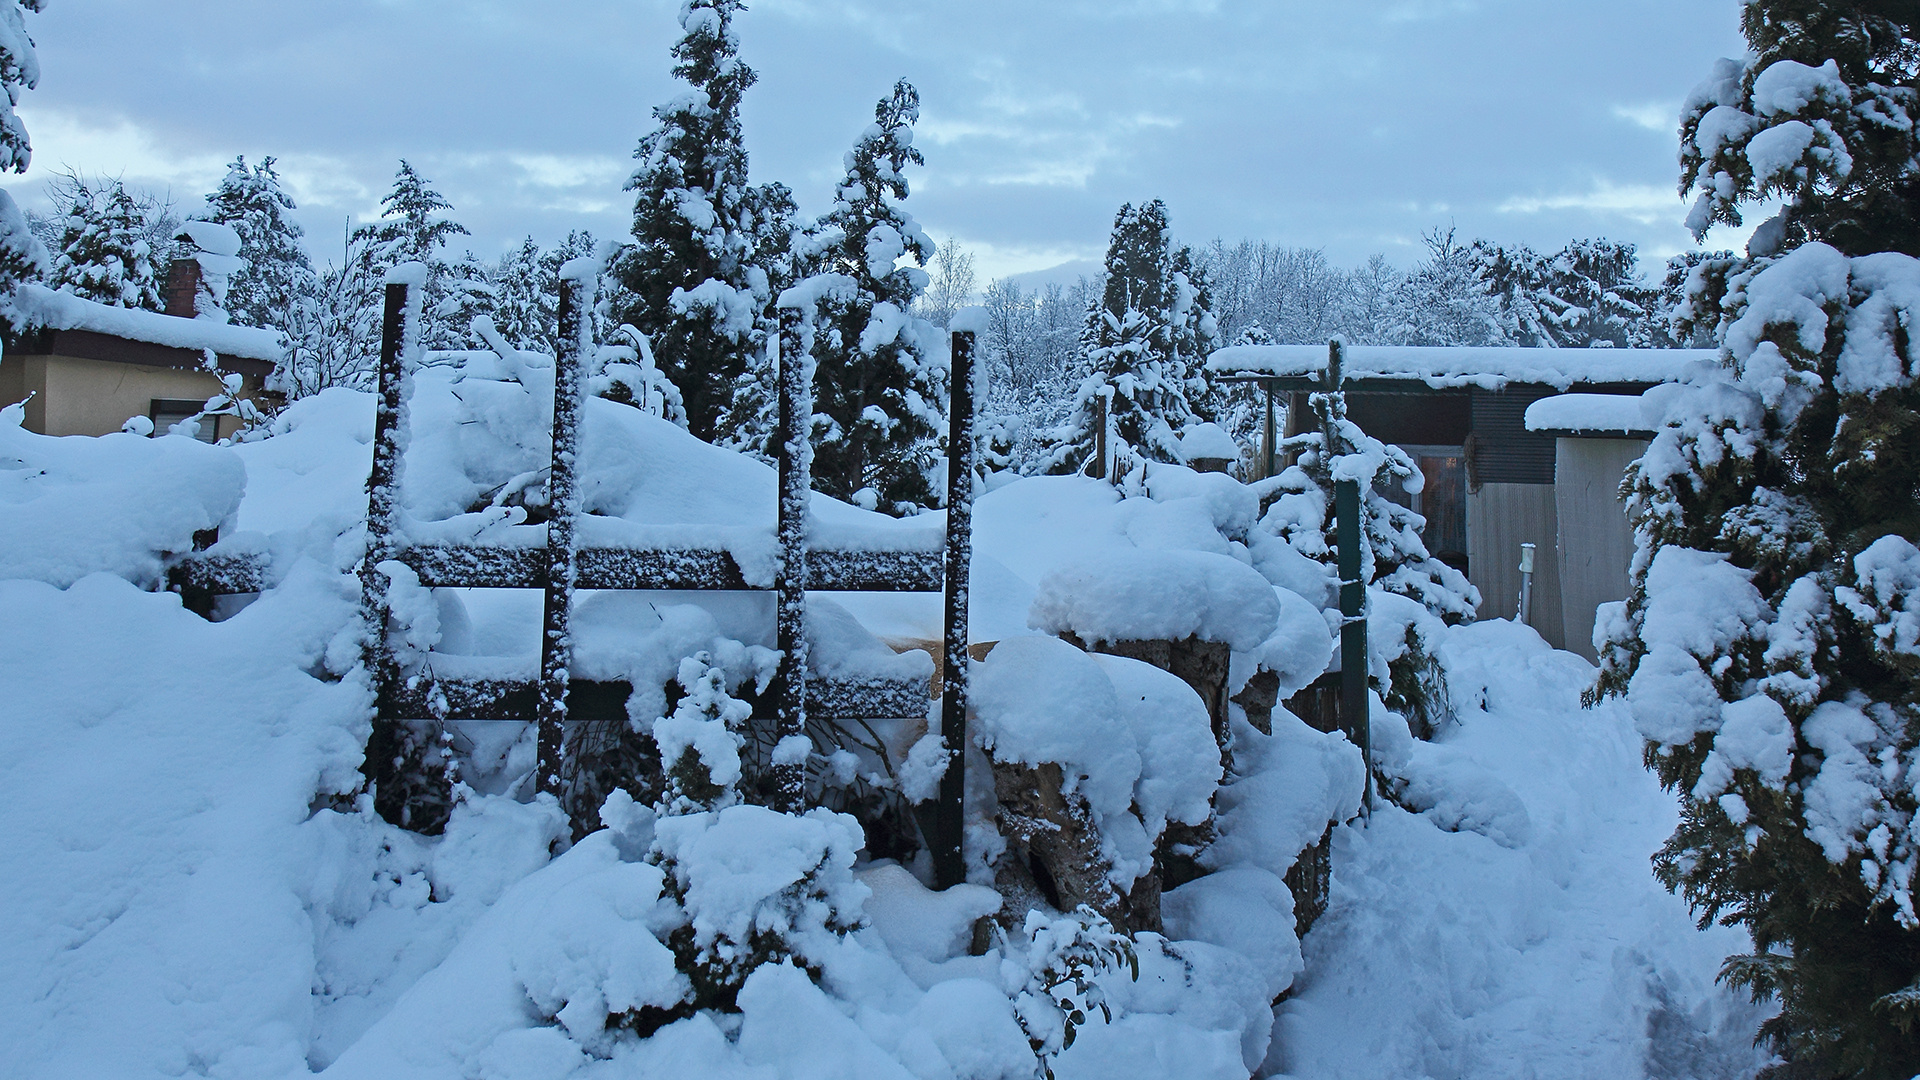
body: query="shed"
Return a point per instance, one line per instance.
(90, 366)
(1460, 413)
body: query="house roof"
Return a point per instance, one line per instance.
(41, 306)
(1489, 368)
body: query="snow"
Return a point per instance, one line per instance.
(972, 319)
(1786, 87)
(1623, 414)
(116, 504)
(212, 237)
(1208, 441)
(1489, 368)
(211, 904)
(1697, 602)
(1449, 954)
(1157, 595)
(38, 305)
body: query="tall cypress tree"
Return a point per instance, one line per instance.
(709, 250)
(1770, 650)
(881, 375)
(1129, 353)
(277, 271)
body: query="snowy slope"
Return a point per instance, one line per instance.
(1446, 954)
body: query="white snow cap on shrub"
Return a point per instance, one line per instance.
(1697, 603)
(1142, 595)
(75, 506)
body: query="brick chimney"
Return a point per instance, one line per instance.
(183, 287)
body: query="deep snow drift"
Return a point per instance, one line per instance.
(192, 891)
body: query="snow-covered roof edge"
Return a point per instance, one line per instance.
(1488, 367)
(42, 306)
(1593, 414)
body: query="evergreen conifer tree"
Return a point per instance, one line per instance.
(1770, 649)
(413, 228)
(104, 253)
(881, 374)
(523, 310)
(1129, 354)
(1824, 116)
(277, 273)
(709, 251)
(22, 256)
(1443, 301)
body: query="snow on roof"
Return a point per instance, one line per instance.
(1487, 367)
(1622, 414)
(42, 306)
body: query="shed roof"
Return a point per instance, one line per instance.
(41, 306)
(1489, 368)
(1594, 415)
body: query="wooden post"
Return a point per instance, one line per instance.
(388, 426)
(794, 450)
(556, 635)
(949, 863)
(1355, 714)
(1268, 442)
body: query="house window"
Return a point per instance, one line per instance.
(167, 412)
(1443, 502)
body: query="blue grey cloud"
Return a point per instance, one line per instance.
(1352, 127)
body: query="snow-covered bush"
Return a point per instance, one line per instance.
(1299, 521)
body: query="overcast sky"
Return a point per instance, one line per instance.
(1351, 126)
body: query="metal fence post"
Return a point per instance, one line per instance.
(949, 863)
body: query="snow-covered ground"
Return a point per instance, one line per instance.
(1450, 954)
(190, 889)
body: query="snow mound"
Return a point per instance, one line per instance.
(115, 504)
(1146, 595)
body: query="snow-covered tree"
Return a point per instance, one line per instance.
(333, 330)
(1770, 650)
(22, 255)
(1393, 558)
(951, 286)
(1443, 301)
(251, 201)
(1588, 294)
(523, 310)
(1822, 116)
(413, 227)
(881, 372)
(709, 250)
(104, 250)
(1129, 356)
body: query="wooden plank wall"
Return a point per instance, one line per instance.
(1500, 517)
(1596, 544)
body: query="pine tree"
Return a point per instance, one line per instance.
(1823, 116)
(105, 254)
(709, 251)
(1588, 294)
(881, 374)
(251, 201)
(411, 228)
(1770, 650)
(1129, 355)
(1192, 331)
